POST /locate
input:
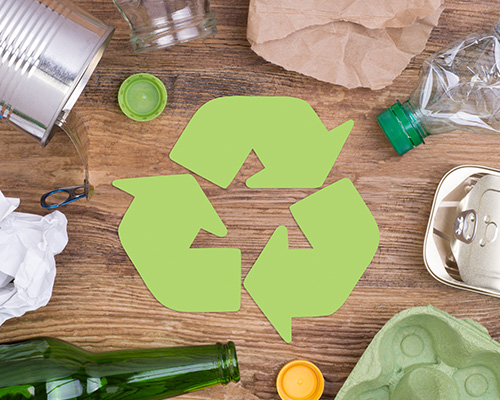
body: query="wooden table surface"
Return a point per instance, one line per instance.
(100, 302)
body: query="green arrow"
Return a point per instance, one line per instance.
(286, 134)
(344, 236)
(157, 231)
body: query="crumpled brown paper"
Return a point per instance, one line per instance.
(352, 43)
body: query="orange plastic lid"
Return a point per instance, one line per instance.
(300, 380)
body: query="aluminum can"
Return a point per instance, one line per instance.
(48, 51)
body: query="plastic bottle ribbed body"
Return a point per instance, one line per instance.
(459, 87)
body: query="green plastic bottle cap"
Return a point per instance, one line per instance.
(401, 127)
(142, 97)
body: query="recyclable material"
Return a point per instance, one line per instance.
(300, 380)
(76, 129)
(458, 90)
(424, 353)
(48, 51)
(461, 247)
(156, 24)
(142, 97)
(353, 43)
(28, 244)
(45, 368)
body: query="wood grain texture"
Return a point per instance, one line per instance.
(99, 301)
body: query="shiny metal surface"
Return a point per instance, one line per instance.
(461, 246)
(478, 259)
(48, 51)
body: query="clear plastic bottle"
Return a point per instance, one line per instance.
(459, 89)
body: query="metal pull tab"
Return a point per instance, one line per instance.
(76, 130)
(465, 226)
(74, 193)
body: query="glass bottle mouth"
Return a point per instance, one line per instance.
(402, 127)
(228, 363)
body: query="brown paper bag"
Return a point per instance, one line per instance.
(347, 42)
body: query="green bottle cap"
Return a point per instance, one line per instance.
(401, 127)
(142, 97)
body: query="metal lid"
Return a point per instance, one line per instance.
(474, 244)
(461, 246)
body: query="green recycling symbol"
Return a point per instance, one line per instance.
(297, 151)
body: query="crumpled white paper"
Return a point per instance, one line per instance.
(28, 244)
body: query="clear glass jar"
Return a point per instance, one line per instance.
(155, 24)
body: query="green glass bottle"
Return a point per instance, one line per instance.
(50, 369)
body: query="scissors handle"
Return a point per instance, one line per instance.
(74, 193)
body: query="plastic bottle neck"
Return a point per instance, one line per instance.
(415, 119)
(402, 126)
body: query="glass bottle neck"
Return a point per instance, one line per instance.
(229, 370)
(177, 370)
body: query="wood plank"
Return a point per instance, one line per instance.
(99, 301)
